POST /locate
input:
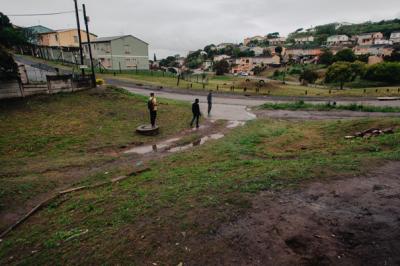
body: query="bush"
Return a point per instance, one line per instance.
(277, 73)
(8, 68)
(295, 71)
(385, 72)
(308, 75)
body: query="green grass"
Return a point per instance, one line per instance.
(301, 105)
(43, 137)
(142, 219)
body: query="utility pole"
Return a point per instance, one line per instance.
(90, 48)
(79, 34)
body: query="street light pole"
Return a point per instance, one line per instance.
(79, 34)
(90, 48)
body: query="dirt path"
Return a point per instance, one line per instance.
(320, 115)
(354, 221)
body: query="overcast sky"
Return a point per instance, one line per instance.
(177, 26)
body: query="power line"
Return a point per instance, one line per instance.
(42, 14)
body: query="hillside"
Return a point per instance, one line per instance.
(321, 32)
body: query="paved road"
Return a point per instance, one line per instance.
(237, 108)
(223, 108)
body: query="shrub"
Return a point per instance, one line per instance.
(308, 75)
(386, 72)
(8, 68)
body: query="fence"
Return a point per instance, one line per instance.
(54, 84)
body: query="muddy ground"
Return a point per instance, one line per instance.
(354, 221)
(320, 115)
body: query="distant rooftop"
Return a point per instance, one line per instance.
(64, 30)
(40, 29)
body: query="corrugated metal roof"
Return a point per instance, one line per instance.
(112, 38)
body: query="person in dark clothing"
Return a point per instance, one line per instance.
(209, 102)
(196, 113)
(152, 106)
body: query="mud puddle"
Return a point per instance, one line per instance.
(170, 145)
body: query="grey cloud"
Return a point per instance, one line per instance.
(176, 26)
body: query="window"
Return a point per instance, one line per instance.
(76, 39)
(127, 49)
(130, 62)
(56, 37)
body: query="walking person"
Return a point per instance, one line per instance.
(152, 106)
(209, 102)
(196, 113)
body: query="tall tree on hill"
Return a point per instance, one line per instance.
(221, 67)
(10, 36)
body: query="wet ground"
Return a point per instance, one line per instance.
(319, 115)
(172, 145)
(354, 221)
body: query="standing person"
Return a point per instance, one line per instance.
(196, 113)
(209, 102)
(152, 106)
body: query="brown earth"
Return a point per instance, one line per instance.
(354, 221)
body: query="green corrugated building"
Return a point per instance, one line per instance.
(120, 52)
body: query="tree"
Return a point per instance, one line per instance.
(326, 58)
(266, 52)
(211, 50)
(345, 55)
(170, 61)
(278, 49)
(155, 58)
(273, 35)
(308, 75)
(340, 72)
(10, 36)
(221, 67)
(8, 68)
(258, 69)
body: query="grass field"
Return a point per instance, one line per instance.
(43, 137)
(243, 86)
(301, 105)
(165, 216)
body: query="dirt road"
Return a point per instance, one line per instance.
(354, 221)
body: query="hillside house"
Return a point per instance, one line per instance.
(383, 41)
(338, 40)
(36, 31)
(395, 37)
(303, 52)
(218, 58)
(277, 41)
(375, 49)
(120, 52)
(64, 38)
(246, 64)
(369, 38)
(257, 50)
(303, 40)
(247, 41)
